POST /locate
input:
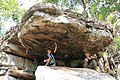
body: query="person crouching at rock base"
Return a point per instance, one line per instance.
(49, 59)
(90, 62)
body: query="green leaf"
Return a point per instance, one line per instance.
(115, 23)
(110, 18)
(101, 17)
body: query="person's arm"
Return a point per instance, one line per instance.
(85, 65)
(47, 61)
(55, 47)
(94, 56)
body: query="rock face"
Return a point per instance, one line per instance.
(11, 65)
(64, 73)
(42, 26)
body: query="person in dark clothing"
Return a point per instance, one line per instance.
(90, 62)
(49, 59)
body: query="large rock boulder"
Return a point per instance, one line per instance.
(64, 73)
(44, 24)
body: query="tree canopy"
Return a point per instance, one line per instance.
(10, 9)
(99, 9)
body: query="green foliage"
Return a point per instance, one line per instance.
(10, 8)
(116, 22)
(115, 46)
(101, 17)
(99, 9)
(110, 18)
(51, 1)
(117, 39)
(85, 14)
(0, 23)
(1, 34)
(71, 4)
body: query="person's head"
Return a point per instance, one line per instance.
(102, 49)
(49, 51)
(87, 54)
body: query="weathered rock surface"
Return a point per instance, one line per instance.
(64, 73)
(11, 65)
(43, 25)
(13, 60)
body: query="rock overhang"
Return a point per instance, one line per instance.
(44, 24)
